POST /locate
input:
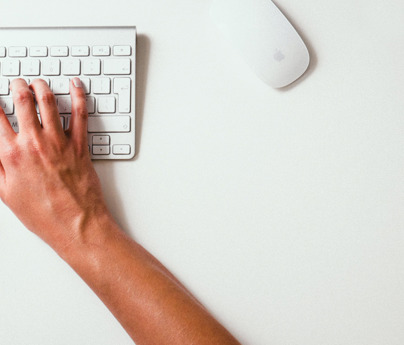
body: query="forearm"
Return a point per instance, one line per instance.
(48, 181)
(144, 296)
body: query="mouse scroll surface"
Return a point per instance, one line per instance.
(264, 37)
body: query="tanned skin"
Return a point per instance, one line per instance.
(48, 180)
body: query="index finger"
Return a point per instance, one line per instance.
(79, 119)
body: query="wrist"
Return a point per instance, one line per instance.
(90, 233)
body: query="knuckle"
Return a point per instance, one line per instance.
(11, 155)
(81, 111)
(80, 98)
(22, 96)
(46, 97)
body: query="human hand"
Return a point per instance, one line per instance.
(47, 179)
(46, 175)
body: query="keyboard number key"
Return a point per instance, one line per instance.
(11, 68)
(30, 67)
(51, 67)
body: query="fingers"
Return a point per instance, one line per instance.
(47, 106)
(27, 114)
(24, 106)
(2, 179)
(7, 133)
(79, 119)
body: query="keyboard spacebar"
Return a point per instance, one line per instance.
(100, 124)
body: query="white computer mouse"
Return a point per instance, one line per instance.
(264, 37)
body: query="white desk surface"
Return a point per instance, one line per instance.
(283, 211)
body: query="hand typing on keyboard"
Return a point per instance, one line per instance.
(107, 72)
(47, 179)
(46, 175)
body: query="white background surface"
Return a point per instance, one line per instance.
(281, 210)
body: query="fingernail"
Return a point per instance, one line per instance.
(77, 82)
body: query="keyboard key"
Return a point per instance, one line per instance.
(11, 68)
(80, 51)
(105, 124)
(71, 67)
(4, 86)
(51, 67)
(101, 51)
(14, 123)
(121, 149)
(122, 50)
(17, 52)
(101, 140)
(86, 85)
(90, 103)
(38, 51)
(7, 105)
(30, 67)
(59, 51)
(60, 86)
(105, 70)
(67, 122)
(100, 150)
(92, 67)
(64, 105)
(106, 105)
(101, 85)
(122, 87)
(116, 66)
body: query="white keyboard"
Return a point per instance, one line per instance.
(104, 58)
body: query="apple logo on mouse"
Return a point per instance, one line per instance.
(266, 39)
(279, 56)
